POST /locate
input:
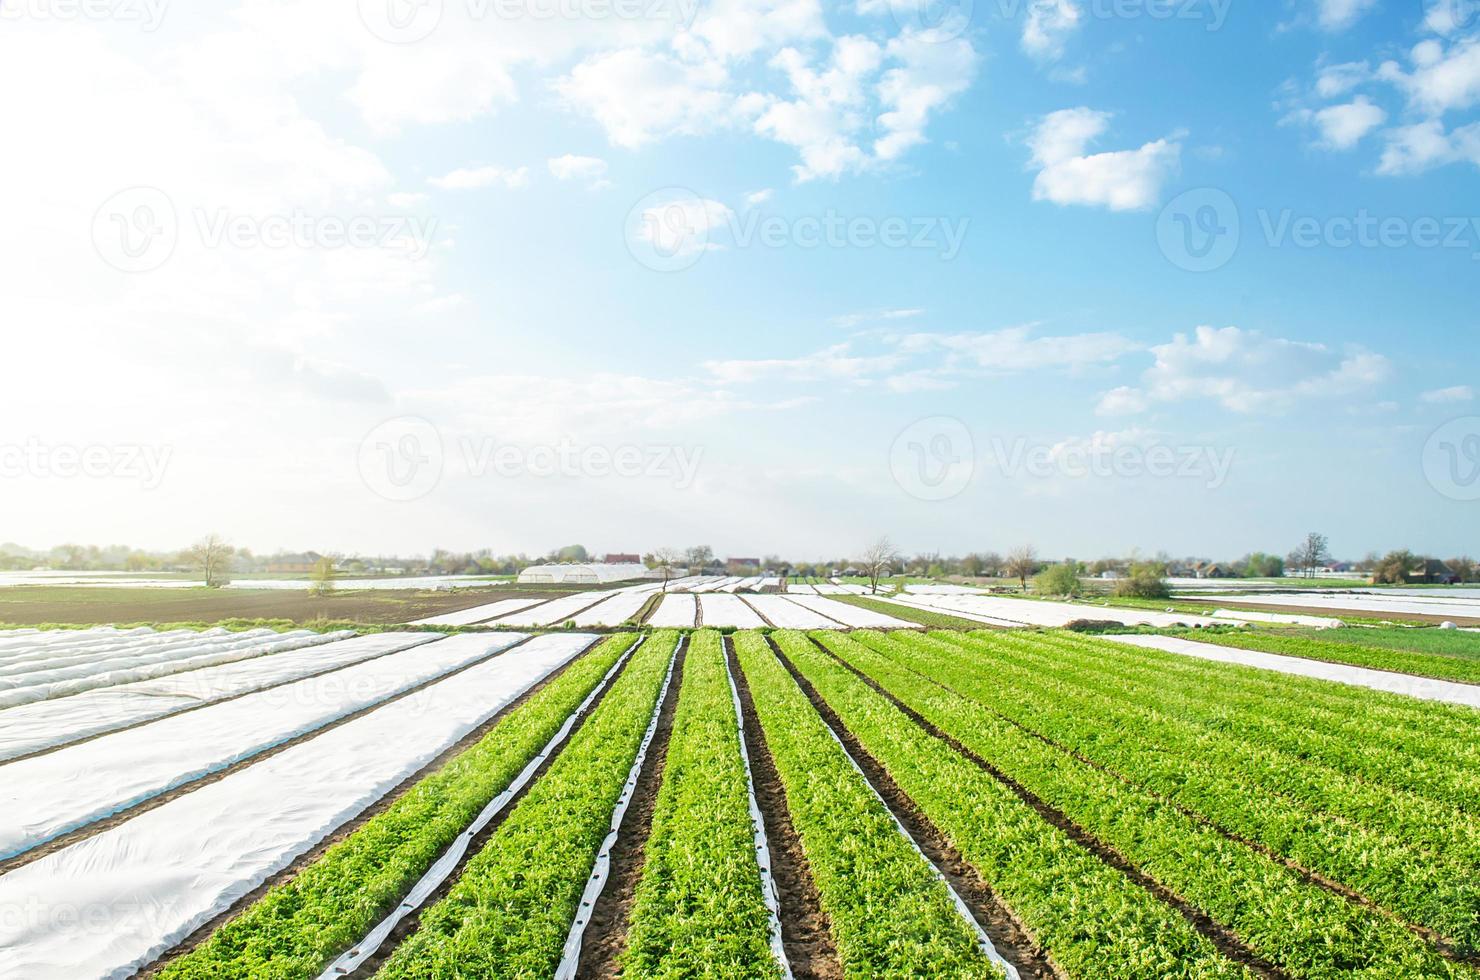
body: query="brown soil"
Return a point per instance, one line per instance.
(154, 802)
(605, 938)
(346, 830)
(1227, 942)
(805, 933)
(34, 605)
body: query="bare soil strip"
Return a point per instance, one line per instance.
(409, 783)
(1227, 942)
(113, 820)
(1440, 945)
(210, 704)
(1012, 940)
(605, 938)
(805, 932)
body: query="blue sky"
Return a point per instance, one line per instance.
(588, 233)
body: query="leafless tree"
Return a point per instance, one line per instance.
(665, 559)
(1311, 554)
(1022, 564)
(878, 561)
(212, 555)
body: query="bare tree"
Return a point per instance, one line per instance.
(878, 561)
(1311, 554)
(1022, 564)
(212, 555)
(665, 559)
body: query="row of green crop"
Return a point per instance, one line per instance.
(1303, 929)
(1216, 778)
(1091, 920)
(298, 927)
(1236, 742)
(1341, 650)
(1403, 755)
(699, 909)
(890, 916)
(510, 911)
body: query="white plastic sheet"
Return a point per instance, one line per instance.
(49, 795)
(109, 905)
(850, 615)
(552, 613)
(787, 614)
(614, 611)
(478, 614)
(1031, 612)
(675, 610)
(729, 610)
(46, 724)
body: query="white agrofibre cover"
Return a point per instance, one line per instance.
(675, 610)
(149, 882)
(729, 610)
(554, 612)
(478, 614)
(205, 650)
(851, 615)
(787, 614)
(45, 724)
(49, 795)
(614, 611)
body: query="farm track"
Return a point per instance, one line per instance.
(159, 800)
(210, 704)
(805, 933)
(1311, 877)
(346, 830)
(1227, 942)
(1008, 935)
(407, 926)
(605, 938)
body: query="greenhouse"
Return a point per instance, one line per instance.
(586, 573)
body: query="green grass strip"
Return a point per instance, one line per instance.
(909, 614)
(699, 910)
(1091, 919)
(510, 911)
(890, 915)
(1303, 929)
(298, 927)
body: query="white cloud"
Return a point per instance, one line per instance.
(829, 108)
(683, 226)
(639, 96)
(836, 363)
(931, 72)
(1338, 15)
(592, 170)
(732, 29)
(1449, 396)
(1342, 127)
(406, 199)
(1442, 79)
(475, 178)
(1048, 25)
(1018, 349)
(440, 305)
(1334, 81)
(756, 198)
(1247, 372)
(1447, 16)
(1124, 180)
(1423, 146)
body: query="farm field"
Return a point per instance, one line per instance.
(1447, 654)
(663, 804)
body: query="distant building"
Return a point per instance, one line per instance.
(737, 565)
(293, 564)
(622, 559)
